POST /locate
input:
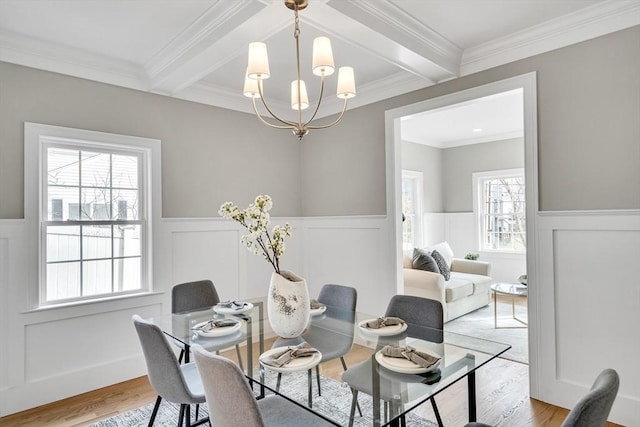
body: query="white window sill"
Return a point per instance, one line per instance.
(91, 301)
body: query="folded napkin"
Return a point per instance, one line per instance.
(315, 304)
(235, 305)
(422, 359)
(213, 324)
(381, 322)
(287, 354)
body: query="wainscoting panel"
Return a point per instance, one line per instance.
(587, 282)
(350, 254)
(207, 255)
(459, 230)
(96, 340)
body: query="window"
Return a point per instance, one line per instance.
(411, 209)
(500, 208)
(94, 213)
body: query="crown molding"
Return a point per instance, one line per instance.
(43, 55)
(588, 23)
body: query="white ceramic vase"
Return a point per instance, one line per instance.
(288, 304)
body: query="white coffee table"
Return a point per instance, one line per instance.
(514, 290)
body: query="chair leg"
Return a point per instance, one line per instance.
(155, 411)
(354, 402)
(318, 379)
(278, 382)
(188, 415)
(181, 416)
(239, 357)
(435, 411)
(181, 356)
(344, 367)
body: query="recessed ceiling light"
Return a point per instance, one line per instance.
(477, 130)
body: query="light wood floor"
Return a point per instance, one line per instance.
(502, 399)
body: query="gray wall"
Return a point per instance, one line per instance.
(588, 133)
(459, 164)
(588, 137)
(428, 160)
(209, 155)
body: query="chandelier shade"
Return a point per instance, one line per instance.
(322, 66)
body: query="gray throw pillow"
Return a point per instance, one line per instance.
(442, 264)
(423, 261)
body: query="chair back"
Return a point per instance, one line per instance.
(164, 372)
(229, 398)
(192, 296)
(592, 410)
(333, 334)
(419, 313)
(342, 297)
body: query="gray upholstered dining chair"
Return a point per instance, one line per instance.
(334, 343)
(231, 401)
(592, 410)
(202, 295)
(334, 340)
(425, 320)
(173, 382)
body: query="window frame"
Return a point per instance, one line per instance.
(479, 178)
(418, 178)
(38, 138)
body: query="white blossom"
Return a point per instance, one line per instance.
(255, 218)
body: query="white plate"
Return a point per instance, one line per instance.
(317, 311)
(217, 332)
(229, 310)
(297, 364)
(382, 332)
(404, 366)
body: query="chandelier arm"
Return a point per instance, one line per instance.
(290, 125)
(344, 108)
(319, 102)
(255, 109)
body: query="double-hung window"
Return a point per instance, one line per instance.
(94, 215)
(411, 209)
(500, 209)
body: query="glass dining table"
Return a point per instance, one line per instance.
(397, 388)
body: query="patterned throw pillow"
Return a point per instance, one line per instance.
(442, 264)
(423, 261)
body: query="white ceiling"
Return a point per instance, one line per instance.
(197, 49)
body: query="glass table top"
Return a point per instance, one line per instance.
(337, 332)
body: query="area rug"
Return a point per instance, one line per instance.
(335, 400)
(480, 324)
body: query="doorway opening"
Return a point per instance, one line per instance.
(477, 152)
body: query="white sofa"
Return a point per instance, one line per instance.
(468, 288)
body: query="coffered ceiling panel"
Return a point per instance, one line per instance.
(197, 49)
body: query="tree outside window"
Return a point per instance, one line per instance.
(501, 210)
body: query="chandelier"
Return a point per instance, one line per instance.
(322, 66)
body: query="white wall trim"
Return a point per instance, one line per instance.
(588, 23)
(586, 305)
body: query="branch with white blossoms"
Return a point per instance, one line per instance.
(255, 218)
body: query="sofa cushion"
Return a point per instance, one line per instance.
(480, 283)
(423, 261)
(456, 289)
(443, 267)
(444, 249)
